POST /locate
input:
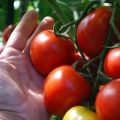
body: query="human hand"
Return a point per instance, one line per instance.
(20, 84)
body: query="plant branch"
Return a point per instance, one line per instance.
(112, 21)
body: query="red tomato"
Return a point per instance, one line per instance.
(108, 101)
(92, 31)
(112, 63)
(65, 88)
(7, 32)
(77, 57)
(49, 51)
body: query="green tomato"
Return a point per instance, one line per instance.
(80, 113)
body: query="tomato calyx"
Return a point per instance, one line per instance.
(62, 30)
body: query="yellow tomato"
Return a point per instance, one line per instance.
(80, 113)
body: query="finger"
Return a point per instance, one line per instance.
(46, 23)
(22, 32)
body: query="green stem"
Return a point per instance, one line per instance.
(67, 25)
(89, 63)
(81, 53)
(90, 4)
(112, 21)
(76, 22)
(84, 58)
(96, 83)
(102, 55)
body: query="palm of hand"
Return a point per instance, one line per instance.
(30, 83)
(27, 84)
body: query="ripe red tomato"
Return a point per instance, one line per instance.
(65, 88)
(7, 32)
(112, 63)
(49, 51)
(92, 31)
(108, 101)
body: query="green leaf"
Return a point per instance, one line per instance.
(68, 11)
(46, 10)
(54, 117)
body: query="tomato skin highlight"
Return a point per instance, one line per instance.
(108, 101)
(65, 88)
(80, 113)
(49, 51)
(112, 63)
(92, 31)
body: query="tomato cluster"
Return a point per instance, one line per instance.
(65, 88)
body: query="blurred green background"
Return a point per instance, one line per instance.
(11, 11)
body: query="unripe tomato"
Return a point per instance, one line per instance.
(49, 51)
(80, 113)
(112, 63)
(108, 101)
(92, 31)
(65, 88)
